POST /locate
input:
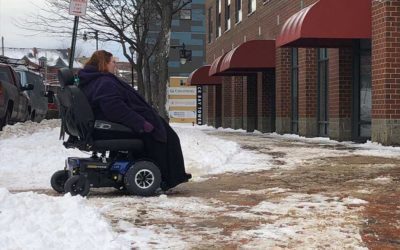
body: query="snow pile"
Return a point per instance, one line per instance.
(31, 153)
(35, 221)
(206, 155)
(34, 151)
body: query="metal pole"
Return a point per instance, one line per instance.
(132, 77)
(73, 42)
(96, 35)
(2, 45)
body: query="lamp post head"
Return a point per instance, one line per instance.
(182, 60)
(84, 37)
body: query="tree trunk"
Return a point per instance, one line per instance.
(161, 57)
(140, 78)
(147, 80)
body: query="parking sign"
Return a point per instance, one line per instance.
(77, 7)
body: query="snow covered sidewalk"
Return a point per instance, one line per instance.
(249, 190)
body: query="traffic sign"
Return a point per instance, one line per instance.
(77, 7)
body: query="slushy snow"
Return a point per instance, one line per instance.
(31, 153)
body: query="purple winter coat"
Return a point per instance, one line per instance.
(114, 100)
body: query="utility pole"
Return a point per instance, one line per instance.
(2, 45)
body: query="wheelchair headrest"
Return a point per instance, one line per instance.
(66, 77)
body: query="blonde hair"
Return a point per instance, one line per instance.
(100, 59)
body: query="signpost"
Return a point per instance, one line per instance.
(199, 105)
(77, 8)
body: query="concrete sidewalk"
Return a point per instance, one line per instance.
(373, 179)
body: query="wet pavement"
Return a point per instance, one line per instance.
(370, 178)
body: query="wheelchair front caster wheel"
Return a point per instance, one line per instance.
(143, 178)
(58, 180)
(77, 184)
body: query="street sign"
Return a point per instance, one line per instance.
(182, 91)
(77, 7)
(182, 114)
(182, 102)
(199, 105)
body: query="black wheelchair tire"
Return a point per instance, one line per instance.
(58, 180)
(77, 185)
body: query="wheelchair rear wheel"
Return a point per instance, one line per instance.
(143, 178)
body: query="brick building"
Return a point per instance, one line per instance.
(326, 68)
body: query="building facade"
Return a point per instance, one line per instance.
(188, 27)
(327, 68)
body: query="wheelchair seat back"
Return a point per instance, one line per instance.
(78, 121)
(75, 111)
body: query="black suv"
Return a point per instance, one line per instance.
(37, 96)
(14, 101)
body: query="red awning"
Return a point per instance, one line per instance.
(200, 77)
(215, 67)
(327, 23)
(251, 56)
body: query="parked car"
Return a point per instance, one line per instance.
(14, 101)
(37, 96)
(52, 109)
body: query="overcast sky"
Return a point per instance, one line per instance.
(12, 10)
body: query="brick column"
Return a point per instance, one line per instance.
(266, 101)
(340, 93)
(211, 105)
(237, 101)
(308, 78)
(226, 93)
(283, 100)
(386, 72)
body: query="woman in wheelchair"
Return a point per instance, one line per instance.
(114, 100)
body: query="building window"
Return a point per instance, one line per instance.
(295, 91)
(323, 92)
(227, 14)
(185, 14)
(210, 25)
(252, 5)
(218, 21)
(362, 100)
(238, 11)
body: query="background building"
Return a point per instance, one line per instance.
(314, 68)
(188, 27)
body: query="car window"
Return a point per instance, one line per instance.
(19, 75)
(5, 75)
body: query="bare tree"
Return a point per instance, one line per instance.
(126, 22)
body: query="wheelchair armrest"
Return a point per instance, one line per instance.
(111, 126)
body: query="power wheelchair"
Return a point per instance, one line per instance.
(116, 162)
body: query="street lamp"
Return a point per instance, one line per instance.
(132, 50)
(96, 36)
(185, 55)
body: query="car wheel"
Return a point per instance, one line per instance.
(33, 116)
(143, 178)
(58, 180)
(77, 184)
(5, 120)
